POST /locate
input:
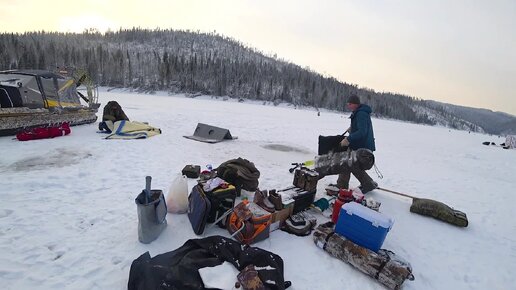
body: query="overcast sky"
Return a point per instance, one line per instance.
(456, 51)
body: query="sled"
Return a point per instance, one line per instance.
(385, 266)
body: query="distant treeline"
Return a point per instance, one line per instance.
(207, 63)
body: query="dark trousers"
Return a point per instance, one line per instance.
(366, 182)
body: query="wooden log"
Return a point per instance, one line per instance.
(384, 266)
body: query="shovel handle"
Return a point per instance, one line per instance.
(148, 180)
(395, 192)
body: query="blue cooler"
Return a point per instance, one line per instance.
(363, 226)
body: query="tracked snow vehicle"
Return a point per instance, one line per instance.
(32, 98)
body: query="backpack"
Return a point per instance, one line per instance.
(113, 112)
(207, 207)
(222, 200)
(199, 208)
(191, 171)
(249, 223)
(240, 172)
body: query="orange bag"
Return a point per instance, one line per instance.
(249, 223)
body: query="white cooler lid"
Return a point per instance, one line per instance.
(353, 208)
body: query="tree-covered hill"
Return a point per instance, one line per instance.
(208, 63)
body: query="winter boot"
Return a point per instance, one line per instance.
(260, 198)
(275, 199)
(368, 187)
(332, 190)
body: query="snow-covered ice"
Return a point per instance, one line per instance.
(68, 217)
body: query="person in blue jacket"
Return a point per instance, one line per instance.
(360, 136)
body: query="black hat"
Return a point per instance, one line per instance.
(353, 99)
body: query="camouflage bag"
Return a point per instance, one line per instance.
(439, 210)
(364, 158)
(341, 162)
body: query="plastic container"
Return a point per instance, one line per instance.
(345, 196)
(177, 199)
(363, 226)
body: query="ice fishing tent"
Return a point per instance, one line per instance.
(37, 89)
(510, 141)
(210, 134)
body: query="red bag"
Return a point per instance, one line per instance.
(61, 130)
(53, 132)
(44, 132)
(65, 128)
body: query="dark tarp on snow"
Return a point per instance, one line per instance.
(178, 269)
(210, 134)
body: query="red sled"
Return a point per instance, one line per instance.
(44, 132)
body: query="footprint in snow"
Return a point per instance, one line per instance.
(116, 260)
(5, 212)
(59, 254)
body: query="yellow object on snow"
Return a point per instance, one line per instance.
(131, 130)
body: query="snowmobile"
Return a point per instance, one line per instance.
(33, 98)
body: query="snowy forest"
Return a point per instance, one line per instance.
(208, 63)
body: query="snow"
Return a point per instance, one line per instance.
(68, 217)
(221, 276)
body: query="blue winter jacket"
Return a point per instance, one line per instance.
(361, 135)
